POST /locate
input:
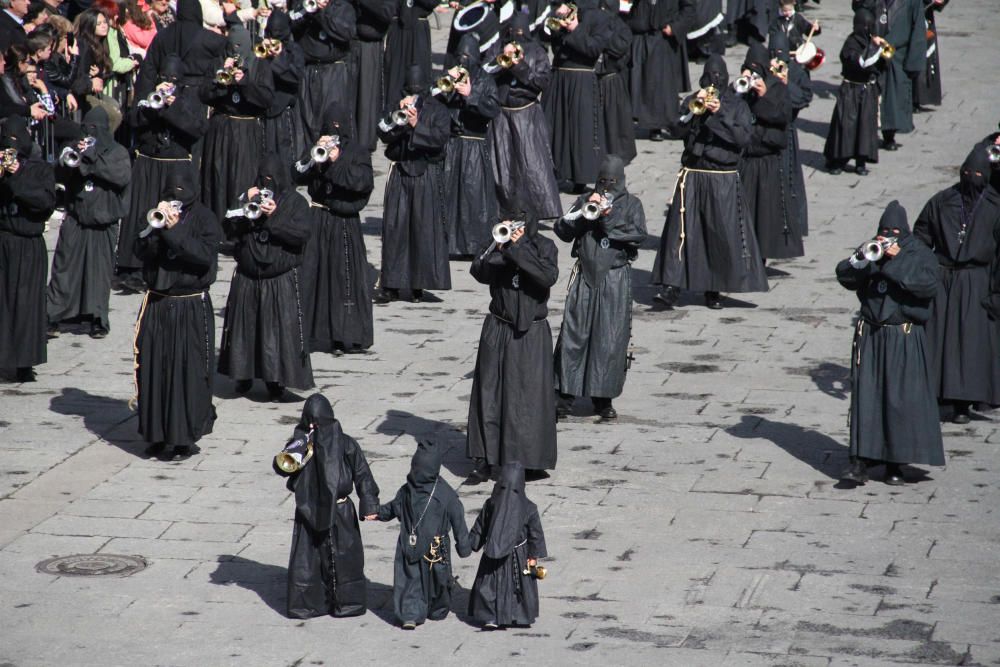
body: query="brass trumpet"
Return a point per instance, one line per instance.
(555, 23)
(267, 48)
(780, 68)
(535, 571)
(295, 455)
(888, 50)
(226, 76)
(446, 84)
(699, 105)
(506, 62)
(8, 159)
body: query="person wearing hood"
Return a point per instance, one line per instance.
(264, 336)
(470, 198)
(853, 132)
(894, 416)
(613, 82)
(281, 123)
(591, 356)
(747, 21)
(97, 195)
(512, 406)
(509, 532)
(428, 509)
(27, 200)
(659, 61)
(959, 224)
(572, 104)
(326, 568)
(708, 242)
(338, 297)
(236, 129)
(174, 346)
(166, 133)
(325, 37)
(367, 52)
(481, 19)
(793, 24)
(414, 232)
(522, 157)
(762, 169)
(800, 94)
(407, 43)
(927, 87)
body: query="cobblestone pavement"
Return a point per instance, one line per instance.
(703, 529)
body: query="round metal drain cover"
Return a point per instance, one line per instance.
(92, 565)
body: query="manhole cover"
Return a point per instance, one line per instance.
(91, 565)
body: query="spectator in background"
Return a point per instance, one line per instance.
(138, 26)
(161, 13)
(12, 30)
(16, 97)
(59, 67)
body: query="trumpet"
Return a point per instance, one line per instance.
(310, 6)
(699, 105)
(780, 68)
(158, 98)
(267, 48)
(743, 84)
(506, 62)
(446, 84)
(888, 50)
(502, 231)
(874, 250)
(535, 571)
(70, 157)
(295, 455)
(321, 152)
(993, 153)
(8, 160)
(156, 218)
(252, 209)
(555, 23)
(226, 76)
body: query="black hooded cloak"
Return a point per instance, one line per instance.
(338, 278)
(659, 63)
(374, 19)
(175, 333)
(470, 200)
(84, 258)
(613, 82)
(264, 334)
(902, 25)
(894, 415)
(927, 87)
(854, 125)
(522, 153)
(427, 508)
(281, 124)
(27, 199)
(590, 357)
(800, 94)
(327, 562)
(407, 42)
(512, 408)
(959, 224)
(708, 241)
(509, 531)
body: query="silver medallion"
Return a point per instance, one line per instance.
(409, 4)
(323, 36)
(882, 287)
(236, 98)
(88, 186)
(515, 282)
(413, 539)
(605, 243)
(883, 19)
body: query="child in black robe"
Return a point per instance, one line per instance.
(509, 532)
(326, 566)
(427, 507)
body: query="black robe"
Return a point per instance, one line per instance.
(659, 63)
(512, 407)
(796, 28)
(282, 126)
(175, 335)
(616, 103)
(414, 234)
(27, 199)
(927, 87)
(338, 276)
(327, 562)
(264, 334)
(374, 19)
(854, 125)
(963, 340)
(427, 508)
(750, 18)
(800, 95)
(509, 531)
(407, 42)
(590, 357)
(906, 32)
(894, 414)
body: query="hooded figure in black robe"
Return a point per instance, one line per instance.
(470, 199)
(793, 24)
(325, 37)
(84, 259)
(165, 139)
(762, 169)
(960, 224)
(573, 102)
(27, 199)
(338, 294)
(414, 234)
(522, 145)
(800, 94)
(748, 20)
(509, 531)
(481, 19)
(326, 568)
(894, 416)
(659, 61)
(427, 508)
(927, 87)
(407, 42)
(174, 344)
(853, 132)
(264, 335)
(281, 122)
(708, 242)
(591, 353)
(374, 19)
(512, 407)
(613, 82)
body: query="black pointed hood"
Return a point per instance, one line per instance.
(336, 120)
(863, 23)
(416, 82)
(273, 174)
(517, 29)
(611, 176)
(977, 162)
(180, 185)
(515, 208)
(279, 26)
(425, 466)
(779, 46)
(317, 410)
(757, 60)
(510, 512)
(17, 136)
(894, 217)
(467, 52)
(97, 124)
(715, 73)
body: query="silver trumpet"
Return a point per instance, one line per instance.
(252, 209)
(874, 250)
(158, 98)
(591, 210)
(321, 152)
(156, 218)
(310, 6)
(70, 157)
(743, 84)
(993, 152)
(502, 231)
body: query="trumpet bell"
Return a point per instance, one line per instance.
(294, 457)
(742, 85)
(156, 219)
(224, 77)
(69, 158)
(446, 84)
(888, 51)
(872, 251)
(697, 106)
(260, 50)
(592, 210)
(535, 571)
(993, 153)
(399, 117)
(252, 211)
(319, 154)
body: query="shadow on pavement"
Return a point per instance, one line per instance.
(102, 416)
(819, 450)
(267, 581)
(833, 380)
(446, 435)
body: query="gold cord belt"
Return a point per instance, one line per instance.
(164, 159)
(519, 108)
(682, 179)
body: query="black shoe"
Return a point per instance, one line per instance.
(183, 452)
(961, 416)
(25, 374)
(480, 474)
(890, 145)
(713, 300)
(607, 414)
(856, 472)
(657, 135)
(156, 449)
(668, 296)
(275, 390)
(52, 331)
(894, 475)
(133, 283)
(532, 475)
(417, 296)
(98, 330)
(919, 109)
(384, 295)
(861, 170)
(409, 625)
(243, 386)
(562, 412)
(565, 186)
